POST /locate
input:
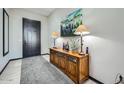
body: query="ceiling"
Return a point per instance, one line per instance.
(41, 11)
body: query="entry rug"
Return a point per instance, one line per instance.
(36, 70)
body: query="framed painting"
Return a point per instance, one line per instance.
(71, 22)
(5, 32)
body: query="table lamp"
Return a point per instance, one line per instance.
(81, 30)
(55, 35)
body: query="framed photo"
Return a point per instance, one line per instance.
(5, 32)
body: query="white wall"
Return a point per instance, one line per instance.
(106, 41)
(5, 59)
(16, 30)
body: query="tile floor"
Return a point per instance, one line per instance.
(12, 73)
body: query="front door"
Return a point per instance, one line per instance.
(31, 38)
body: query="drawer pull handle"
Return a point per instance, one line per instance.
(60, 54)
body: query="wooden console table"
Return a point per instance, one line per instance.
(72, 64)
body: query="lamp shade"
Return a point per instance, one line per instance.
(55, 34)
(82, 29)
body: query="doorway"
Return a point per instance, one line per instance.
(31, 38)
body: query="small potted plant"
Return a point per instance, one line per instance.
(74, 45)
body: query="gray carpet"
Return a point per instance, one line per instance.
(36, 70)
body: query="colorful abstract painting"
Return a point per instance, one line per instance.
(70, 24)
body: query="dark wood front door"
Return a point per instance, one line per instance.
(31, 38)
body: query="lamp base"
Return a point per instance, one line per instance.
(81, 53)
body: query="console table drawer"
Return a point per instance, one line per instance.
(72, 59)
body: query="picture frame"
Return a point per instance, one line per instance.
(5, 33)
